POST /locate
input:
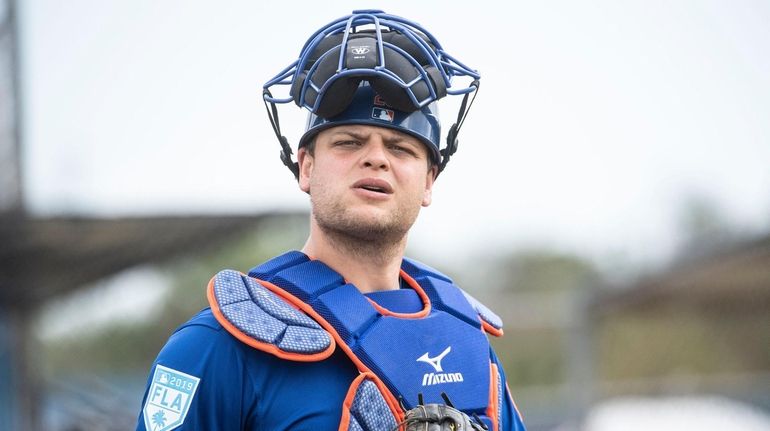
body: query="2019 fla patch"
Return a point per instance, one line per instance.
(168, 399)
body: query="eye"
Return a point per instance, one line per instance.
(402, 149)
(347, 143)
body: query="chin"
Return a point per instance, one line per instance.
(371, 220)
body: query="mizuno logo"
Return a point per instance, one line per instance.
(436, 361)
(429, 379)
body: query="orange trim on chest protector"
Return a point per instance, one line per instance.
(347, 404)
(390, 399)
(426, 305)
(489, 329)
(260, 345)
(493, 406)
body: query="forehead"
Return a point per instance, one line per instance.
(363, 132)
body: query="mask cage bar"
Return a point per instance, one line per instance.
(437, 57)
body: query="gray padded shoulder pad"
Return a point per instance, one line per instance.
(262, 319)
(485, 313)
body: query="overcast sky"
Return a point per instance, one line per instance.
(595, 120)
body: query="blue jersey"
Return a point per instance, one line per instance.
(206, 379)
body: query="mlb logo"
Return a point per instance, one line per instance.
(383, 114)
(168, 399)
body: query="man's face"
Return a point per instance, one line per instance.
(366, 182)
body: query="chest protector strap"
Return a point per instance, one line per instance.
(301, 309)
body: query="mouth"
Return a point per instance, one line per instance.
(374, 185)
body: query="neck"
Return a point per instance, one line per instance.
(369, 265)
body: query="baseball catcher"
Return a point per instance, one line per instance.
(346, 333)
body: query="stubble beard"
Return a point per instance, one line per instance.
(363, 235)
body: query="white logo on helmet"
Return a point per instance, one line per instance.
(383, 114)
(359, 50)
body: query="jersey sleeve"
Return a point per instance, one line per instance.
(511, 417)
(196, 383)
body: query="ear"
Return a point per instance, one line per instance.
(305, 161)
(430, 178)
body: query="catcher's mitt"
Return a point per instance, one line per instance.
(438, 417)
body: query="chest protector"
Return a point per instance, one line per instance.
(300, 309)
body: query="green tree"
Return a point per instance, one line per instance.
(132, 347)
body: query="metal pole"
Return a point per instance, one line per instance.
(581, 356)
(19, 397)
(11, 197)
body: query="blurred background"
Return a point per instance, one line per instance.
(610, 197)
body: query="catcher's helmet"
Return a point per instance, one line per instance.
(376, 69)
(369, 108)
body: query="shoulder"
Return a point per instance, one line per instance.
(203, 347)
(207, 362)
(202, 326)
(441, 287)
(200, 346)
(266, 317)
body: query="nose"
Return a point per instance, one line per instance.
(375, 155)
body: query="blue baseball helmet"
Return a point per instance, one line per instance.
(376, 69)
(369, 108)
